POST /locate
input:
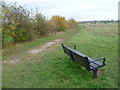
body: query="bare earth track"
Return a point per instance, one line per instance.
(45, 46)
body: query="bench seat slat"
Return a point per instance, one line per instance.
(97, 65)
(94, 64)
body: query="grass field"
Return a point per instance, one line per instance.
(51, 68)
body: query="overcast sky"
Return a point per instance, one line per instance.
(80, 10)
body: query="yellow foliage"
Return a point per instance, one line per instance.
(12, 27)
(60, 21)
(72, 23)
(13, 34)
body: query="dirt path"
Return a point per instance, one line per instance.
(12, 61)
(47, 46)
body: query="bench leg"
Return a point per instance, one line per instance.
(95, 73)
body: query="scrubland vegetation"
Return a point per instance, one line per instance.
(19, 25)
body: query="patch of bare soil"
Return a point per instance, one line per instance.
(99, 72)
(45, 46)
(12, 61)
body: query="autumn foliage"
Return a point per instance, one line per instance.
(60, 21)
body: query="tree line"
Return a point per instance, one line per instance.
(21, 25)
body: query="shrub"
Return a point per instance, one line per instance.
(21, 35)
(72, 23)
(61, 22)
(41, 25)
(52, 26)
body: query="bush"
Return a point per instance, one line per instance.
(52, 26)
(61, 22)
(72, 23)
(21, 35)
(41, 25)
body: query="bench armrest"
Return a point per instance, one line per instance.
(100, 59)
(72, 46)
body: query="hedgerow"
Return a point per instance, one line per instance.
(21, 25)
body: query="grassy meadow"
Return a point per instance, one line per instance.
(51, 68)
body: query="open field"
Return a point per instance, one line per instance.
(42, 63)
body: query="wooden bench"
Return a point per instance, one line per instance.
(86, 62)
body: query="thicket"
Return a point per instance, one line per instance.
(19, 25)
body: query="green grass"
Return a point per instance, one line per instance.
(55, 70)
